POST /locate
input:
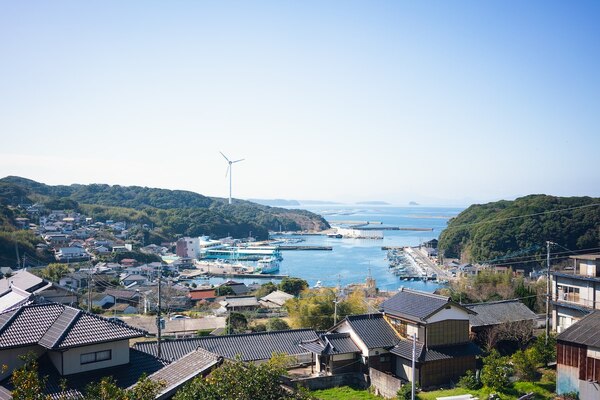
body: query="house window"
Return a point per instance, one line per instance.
(568, 293)
(384, 358)
(97, 356)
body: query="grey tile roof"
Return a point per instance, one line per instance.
(404, 349)
(373, 330)
(414, 305)
(250, 347)
(585, 331)
(56, 326)
(498, 312)
(332, 343)
(189, 366)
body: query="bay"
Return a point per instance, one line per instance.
(351, 260)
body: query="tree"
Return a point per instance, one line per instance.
(543, 353)
(293, 286)
(237, 323)
(315, 308)
(520, 332)
(241, 381)
(53, 272)
(525, 364)
(496, 371)
(265, 289)
(28, 385)
(277, 324)
(224, 290)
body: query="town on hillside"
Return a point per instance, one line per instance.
(109, 306)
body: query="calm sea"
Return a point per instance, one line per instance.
(351, 259)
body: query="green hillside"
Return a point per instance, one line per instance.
(497, 231)
(172, 213)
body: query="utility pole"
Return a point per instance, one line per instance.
(90, 286)
(413, 372)
(335, 302)
(158, 321)
(548, 296)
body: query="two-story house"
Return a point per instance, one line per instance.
(575, 293)
(383, 342)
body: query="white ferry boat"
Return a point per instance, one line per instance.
(267, 265)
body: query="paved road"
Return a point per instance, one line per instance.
(441, 273)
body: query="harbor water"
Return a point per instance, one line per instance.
(350, 260)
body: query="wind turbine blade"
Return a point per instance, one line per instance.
(241, 159)
(227, 172)
(224, 156)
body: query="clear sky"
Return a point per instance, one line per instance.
(433, 101)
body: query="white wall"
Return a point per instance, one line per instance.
(72, 361)
(453, 313)
(404, 369)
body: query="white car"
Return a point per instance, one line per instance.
(178, 316)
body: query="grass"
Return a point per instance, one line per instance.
(344, 392)
(544, 390)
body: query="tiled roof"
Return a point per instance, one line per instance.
(202, 294)
(179, 372)
(250, 347)
(404, 350)
(373, 330)
(278, 297)
(585, 331)
(413, 304)
(332, 343)
(56, 326)
(241, 301)
(498, 312)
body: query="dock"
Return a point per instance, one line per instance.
(313, 248)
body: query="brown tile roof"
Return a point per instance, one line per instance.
(202, 294)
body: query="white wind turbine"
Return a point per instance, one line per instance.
(229, 171)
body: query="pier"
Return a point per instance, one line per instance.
(312, 248)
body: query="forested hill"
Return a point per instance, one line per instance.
(498, 231)
(172, 212)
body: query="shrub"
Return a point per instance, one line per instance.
(496, 371)
(405, 392)
(469, 381)
(525, 364)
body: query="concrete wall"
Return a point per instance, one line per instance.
(404, 369)
(331, 381)
(72, 362)
(12, 358)
(384, 384)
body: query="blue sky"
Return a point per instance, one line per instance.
(438, 102)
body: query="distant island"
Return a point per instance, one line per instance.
(372, 203)
(276, 202)
(413, 203)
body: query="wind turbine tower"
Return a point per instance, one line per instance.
(229, 171)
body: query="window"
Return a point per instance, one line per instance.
(97, 356)
(384, 358)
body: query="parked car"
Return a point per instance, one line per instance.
(178, 316)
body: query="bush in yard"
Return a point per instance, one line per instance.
(544, 353)
(469, 381)
(405, 392)
(496, 371)
(525, 364)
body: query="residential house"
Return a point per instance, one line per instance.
(65, 254)
(239, 288)
(275, 300)
(578, 358)
(441, 330)
(501, 316)
(576, 293)
(202, 295)
(102, 300)
(22, 285)
(133, 280)
(240, 303)
(75, 280)
(251, 347)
